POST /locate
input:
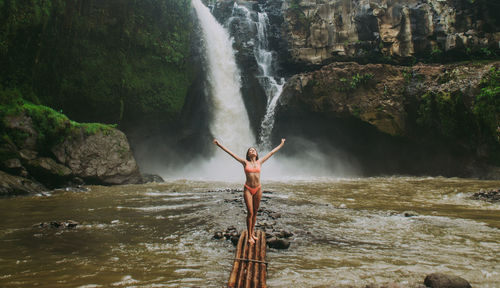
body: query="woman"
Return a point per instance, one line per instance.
(252, 191)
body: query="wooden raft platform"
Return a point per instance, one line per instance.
(249, 268)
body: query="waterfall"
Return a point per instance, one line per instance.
(272, 87)
(230, 123)
(259, 22)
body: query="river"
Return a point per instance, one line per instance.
(346, 232)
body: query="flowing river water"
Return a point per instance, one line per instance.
(346, 232)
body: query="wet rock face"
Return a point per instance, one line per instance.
(377, 94)
(350, 90)
(373, 113)
(13, 185)
(328, 30)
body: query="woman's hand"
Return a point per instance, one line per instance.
(283, 141)
(216, 142)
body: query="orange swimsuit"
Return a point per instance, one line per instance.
(248, 169)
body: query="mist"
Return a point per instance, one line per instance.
(299, 159)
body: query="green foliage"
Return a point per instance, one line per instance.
(354, 82)
(436, 54)
(407, 75)
(95, 60)
(51, 127)
(448, 116)
(487, 104)
(445, 114)
(358, 80)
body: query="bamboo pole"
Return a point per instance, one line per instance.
(257, 262)
(250, 264)
(244, 265)
(236, 264)
(262, 257)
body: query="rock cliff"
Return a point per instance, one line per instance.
(391, 118)
(322, 31)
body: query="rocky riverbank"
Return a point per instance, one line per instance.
(42, 149)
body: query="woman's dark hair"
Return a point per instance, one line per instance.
(248, 158)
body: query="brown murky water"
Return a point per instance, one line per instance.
(347, 232)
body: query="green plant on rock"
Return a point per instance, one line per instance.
(354, 82)
(436, 54)
(445, 114)
(487, 104)
(360, 79)
(51, 127)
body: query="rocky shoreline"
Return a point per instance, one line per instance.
(37, 157)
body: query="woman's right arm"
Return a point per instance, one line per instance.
(242, 161)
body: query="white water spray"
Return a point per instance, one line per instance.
(229, 123)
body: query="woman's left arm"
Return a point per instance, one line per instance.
(273, 151)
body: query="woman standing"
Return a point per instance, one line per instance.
(252, 191)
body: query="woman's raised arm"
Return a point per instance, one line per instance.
(242, 161)
(262, 160)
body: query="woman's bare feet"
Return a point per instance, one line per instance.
(251, 241)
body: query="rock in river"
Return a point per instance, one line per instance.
(490, 196)
(440, 280)
(278, 243)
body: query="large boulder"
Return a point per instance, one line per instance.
(103, 157)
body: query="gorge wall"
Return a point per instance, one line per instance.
(323, 31)
(420, 118)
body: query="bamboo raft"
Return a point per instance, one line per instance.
(249, 267)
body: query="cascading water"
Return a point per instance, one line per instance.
(230, 121)
(264, 59)
(272, 87)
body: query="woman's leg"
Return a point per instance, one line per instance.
(250, 217)
(256, 204)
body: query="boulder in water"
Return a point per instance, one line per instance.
(278, 243)
(410, 214)
(69, 224)
(151, 178)
(440, 280)
(235, 239)
(490, 196)
(218, 235)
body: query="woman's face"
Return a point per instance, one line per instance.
(252, 152)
